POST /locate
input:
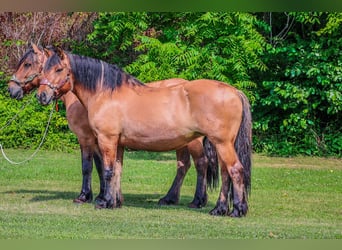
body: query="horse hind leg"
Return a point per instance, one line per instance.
(198, 153)
(231, 170)
(183, 165)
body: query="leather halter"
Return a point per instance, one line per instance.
(27, 80)
(46, 82)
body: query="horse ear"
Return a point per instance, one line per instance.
(35, 48)
(48, 51)
(60, 53)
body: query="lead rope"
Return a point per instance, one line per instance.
(39, 146)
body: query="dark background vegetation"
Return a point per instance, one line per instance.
(289, 64)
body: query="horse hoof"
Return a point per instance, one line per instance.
(239, 210)
(99, 199)
(198, 203)
(83, 198)
(194, 205)
(235, 214)
(102, 204)
(217, 211)
(166, 202)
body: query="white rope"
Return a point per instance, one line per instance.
(39, 146)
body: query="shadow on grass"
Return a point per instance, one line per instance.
(150, 201)
(44, 195)
(147, 201)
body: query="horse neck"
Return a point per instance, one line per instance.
(81, 94)
(68, 99)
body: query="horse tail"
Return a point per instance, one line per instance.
(243, 145)
(213, 166)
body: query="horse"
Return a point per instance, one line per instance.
(26, 78)
(123, 111)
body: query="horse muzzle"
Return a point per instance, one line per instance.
(16, 92)
(44, 98)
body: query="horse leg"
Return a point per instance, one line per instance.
(117, 176)
(221, 207)
(112, 155)
(99, 168)
(201, 164)
(230, 167)
(86, 194)
(240, 206)
(183, 165)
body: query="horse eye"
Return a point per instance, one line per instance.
(27, 65)
(59, 70)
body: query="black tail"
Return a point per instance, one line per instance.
(213, 166)
(243, 146)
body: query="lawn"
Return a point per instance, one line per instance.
(292, 198)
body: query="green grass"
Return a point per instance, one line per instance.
(291, 198)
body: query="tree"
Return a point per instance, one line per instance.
(154, 46)
(298, 109)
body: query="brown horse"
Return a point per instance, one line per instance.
(26, 78)
(122, 111)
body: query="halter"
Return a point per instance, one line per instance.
(46, 82)
(28, 79)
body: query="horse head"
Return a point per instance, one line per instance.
(28, 72)
(56, 79)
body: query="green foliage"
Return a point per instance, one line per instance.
(22, 124)
(113, 38)
(288, 64)
(299, 110)
(155, 46)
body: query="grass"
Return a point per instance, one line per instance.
(292, 198)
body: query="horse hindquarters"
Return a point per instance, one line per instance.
(222, 120)
(235, 163)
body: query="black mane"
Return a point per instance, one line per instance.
(89, 72)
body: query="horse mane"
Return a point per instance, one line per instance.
(90, 71)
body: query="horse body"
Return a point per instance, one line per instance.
(120, 113)
(27, 77)
(137, 129)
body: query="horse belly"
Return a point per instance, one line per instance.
(157, 120)
(159, 138)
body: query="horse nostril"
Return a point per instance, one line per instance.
(10, 92)
(42, 97)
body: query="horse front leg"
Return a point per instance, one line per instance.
(99, 168)
(183, 165)
(86, 194)
(112, 155)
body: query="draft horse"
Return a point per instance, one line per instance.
(122, 111)
(27, 77)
